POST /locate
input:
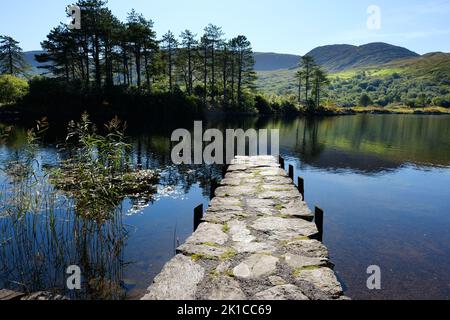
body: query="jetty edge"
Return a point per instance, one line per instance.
(257, 241)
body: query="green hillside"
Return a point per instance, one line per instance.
(336, 58)
(418, 81)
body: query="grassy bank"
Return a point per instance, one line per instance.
(389, 110)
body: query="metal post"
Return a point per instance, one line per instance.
(214, 185)
(281, 161)
(319, 222)
(291, 171)
(224, 170)
(301, 187)
(198, 216)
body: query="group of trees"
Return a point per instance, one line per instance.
(364, 89)
(107, 52)
(311, 79)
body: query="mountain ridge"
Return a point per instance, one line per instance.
(333, 58)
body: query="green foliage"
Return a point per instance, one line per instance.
(365, 100)
(99, 172)
(277, 104)
(12, 60)
(416, 82)
(262, 105)
(12, 89)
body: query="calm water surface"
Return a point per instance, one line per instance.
(383, 181)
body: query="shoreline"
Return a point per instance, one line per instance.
(19, 113)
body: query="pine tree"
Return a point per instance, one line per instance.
(11, 57)
(307, 66)
(189, 46)
(320, 79)
(169, 46)
(245, 63)
(214, 35)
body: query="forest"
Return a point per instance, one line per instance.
(116, 63)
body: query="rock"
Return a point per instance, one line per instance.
(322, 279)
(277, 180)
(178, 280)
(277, 281)
(297, 208)
(225, 288)
(281, 195)
(277, 187)
(239, 232)
(253, 247)
(308, 248)
(220, 204)
(285, 229)
(6, 294)
(256, 266)
(208, 233)
(273, 172)
(201, 250)
(260, 203)
(228, 202)
(230, 182)
(223, 267)
(284, 292)
(221, 217)
(267, 211)
(237, 167)
(299, 262)
(235, 191)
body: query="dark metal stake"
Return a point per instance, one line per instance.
(281, 161)
(214, 185)
(319, 222)
(224, 170)
(198, 215)
(301, 187)
(291, 171)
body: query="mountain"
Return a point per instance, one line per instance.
(275, 61)
(336, 58)
(29, 58)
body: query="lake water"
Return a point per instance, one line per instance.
(382, 180)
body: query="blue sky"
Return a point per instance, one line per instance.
(284, 26)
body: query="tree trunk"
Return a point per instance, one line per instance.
(170, 70)
(241, 60)
(190, 89)
(138, 66)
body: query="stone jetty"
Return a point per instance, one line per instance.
(257, 241)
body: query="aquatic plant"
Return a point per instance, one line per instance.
(97, 172)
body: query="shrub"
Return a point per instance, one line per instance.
(289, 107)
(12, 89)
(365, 100)
(263, 105)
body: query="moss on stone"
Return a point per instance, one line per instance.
(229, 254)
(298, 271)
(210, 244)
(196, 257)
(279, 207)
(226, 228)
